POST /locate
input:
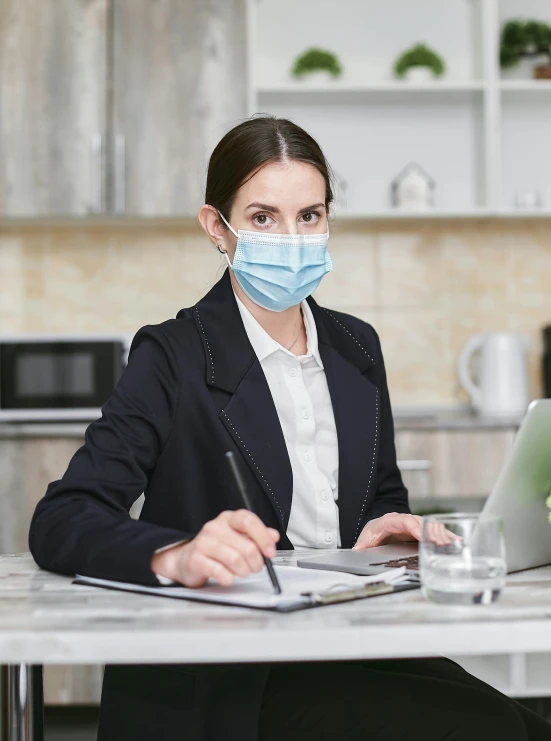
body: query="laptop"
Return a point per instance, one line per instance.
(519, 497)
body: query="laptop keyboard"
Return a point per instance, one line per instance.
(410, 562)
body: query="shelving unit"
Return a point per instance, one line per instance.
(517, 674)
(483, 135)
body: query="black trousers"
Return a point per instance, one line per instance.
(392, 700)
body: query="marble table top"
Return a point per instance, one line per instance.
(46, 619)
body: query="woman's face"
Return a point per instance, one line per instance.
(282, 197)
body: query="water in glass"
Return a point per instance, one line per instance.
(467, 569)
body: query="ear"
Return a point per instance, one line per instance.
(213, 225)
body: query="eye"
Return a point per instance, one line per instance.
(311, 217)
(264, 220)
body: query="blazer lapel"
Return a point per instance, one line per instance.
(356, 406)
(249, 415)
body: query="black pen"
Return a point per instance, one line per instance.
(240, 485)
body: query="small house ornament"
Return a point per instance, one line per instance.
(413, 189)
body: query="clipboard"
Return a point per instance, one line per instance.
(302, 589)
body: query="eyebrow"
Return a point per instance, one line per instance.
(275, 210)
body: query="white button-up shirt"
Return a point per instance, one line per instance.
(299, 389)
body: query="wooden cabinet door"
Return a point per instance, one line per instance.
(52, 106)
(27, 465)
(179, 85)
(452, 463)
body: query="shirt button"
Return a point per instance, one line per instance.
(325, 494)
(293, 372)
(305, 414)
(308, 456)
(328, 536)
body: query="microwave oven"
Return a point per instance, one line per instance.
(59, 377)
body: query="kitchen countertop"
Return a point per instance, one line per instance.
(459, 418)
(42, 429)
(44, 619)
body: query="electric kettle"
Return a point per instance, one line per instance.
(502, 386)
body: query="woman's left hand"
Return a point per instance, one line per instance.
(394, 527)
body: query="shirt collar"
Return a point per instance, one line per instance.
(264, 345)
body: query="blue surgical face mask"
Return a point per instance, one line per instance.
(277, 271)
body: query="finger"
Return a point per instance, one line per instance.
(404, 524)
(228, 556)
(432, 533)
(438, 534)
(215, 570)
(364, 544)
(395, 523)
(370, 537)
(453, 536)
(251, 525)
(248, 549)
(441, 534)
(199, 568)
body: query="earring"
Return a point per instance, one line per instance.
(222, 252)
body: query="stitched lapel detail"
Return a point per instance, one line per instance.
(356, 405)
(251, 419)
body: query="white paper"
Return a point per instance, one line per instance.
(256, 590)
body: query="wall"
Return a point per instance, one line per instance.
(425, 286)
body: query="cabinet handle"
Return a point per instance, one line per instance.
(120, 174)
(415, 465)
(96, 173)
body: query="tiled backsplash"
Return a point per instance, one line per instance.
(425, 286)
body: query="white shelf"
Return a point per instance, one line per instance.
(529, 86)
(300, 88)
(473, 213)
(435, 213)
(481, 135)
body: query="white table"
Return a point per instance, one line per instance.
(44, 619)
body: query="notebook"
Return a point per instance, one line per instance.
(301, 589)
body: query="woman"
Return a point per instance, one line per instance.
(299, 394)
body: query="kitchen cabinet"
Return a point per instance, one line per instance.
(112, 107)
(52, 107)
(179, 71)
(452, 463)
(27, 465)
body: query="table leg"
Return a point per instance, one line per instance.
(22, 707)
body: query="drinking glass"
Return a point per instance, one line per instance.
(462, 558)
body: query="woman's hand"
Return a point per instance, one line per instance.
(395, 527)
(230, 545)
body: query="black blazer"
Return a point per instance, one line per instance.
(193, 389)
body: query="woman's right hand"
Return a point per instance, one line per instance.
(230, 545)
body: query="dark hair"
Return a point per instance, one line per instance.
(251, 145)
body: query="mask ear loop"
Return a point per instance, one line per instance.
(228, 225)
(223, 252)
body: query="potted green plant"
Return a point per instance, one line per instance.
(419, 64)
(316, 65)
(531, 40)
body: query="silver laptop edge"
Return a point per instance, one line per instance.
(518, 496)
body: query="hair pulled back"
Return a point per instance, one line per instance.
(251, 145)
